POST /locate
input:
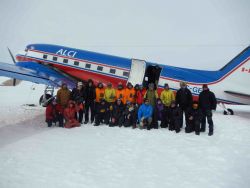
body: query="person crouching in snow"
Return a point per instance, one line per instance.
(69, 115)
(130, 115)
(194, 119)
(117, 113)
(159, 113)
(54, 113)
(145, 115)
(175, 113)
(102, 113)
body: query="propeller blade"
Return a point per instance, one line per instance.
(12, 56)
(14, 61)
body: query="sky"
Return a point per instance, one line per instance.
(202, 34)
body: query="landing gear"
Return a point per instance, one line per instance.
(227, 111)
(47, 96)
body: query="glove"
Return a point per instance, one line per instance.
(142, 119)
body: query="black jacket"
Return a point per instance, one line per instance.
(175, 114)
(184, 98)
(78, 95)
(102, 108)
(196, 113)
(207, 100)
(90, 94)
(117, 110)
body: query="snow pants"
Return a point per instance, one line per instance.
(207, 114)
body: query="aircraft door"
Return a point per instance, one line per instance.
(137, 71)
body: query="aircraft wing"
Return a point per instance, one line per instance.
(237, 94)
(37, 73)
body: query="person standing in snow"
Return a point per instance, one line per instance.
(78, 95)
(184, 100)
(140, 92)
(63, 95)
(152, 95)
(167, 96)
(207, 103)
(120, 93)
(109, 96)
(90, 102)
(130, 93)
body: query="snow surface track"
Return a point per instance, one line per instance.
(32, 155)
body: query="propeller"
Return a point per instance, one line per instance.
(14, 61)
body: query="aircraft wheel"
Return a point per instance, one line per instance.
(42, 102)
(229, 112)
(225, 112)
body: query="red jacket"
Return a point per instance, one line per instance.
(140, 96)
(52, 110)
(69, 115)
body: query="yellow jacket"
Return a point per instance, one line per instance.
(167, 96)
(109, 94)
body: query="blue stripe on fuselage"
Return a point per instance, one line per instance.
(168, 72)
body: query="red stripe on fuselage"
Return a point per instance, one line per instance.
(79, 73)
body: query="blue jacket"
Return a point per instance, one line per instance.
(145, 111)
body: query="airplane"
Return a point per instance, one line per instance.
(53, 65)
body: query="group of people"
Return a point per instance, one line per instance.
(132, 106)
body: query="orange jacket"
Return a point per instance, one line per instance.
(130, 95)
(120, 93)
(99, 94)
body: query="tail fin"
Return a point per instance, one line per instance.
(236, 61)
(236, 74)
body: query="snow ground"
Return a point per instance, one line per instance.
(32, 155)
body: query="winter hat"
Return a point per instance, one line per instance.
(79, 84)
(183, 83)
(204, 86)
(100, 85)
(129, 84)
(166, 85)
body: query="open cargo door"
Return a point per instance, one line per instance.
(137, 71)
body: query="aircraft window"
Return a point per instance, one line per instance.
(54, 58)
(45, 56)
(112, 71)
(76, 63)
(65, 60)
(99, 68)
(88, 66)
(125, 73)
